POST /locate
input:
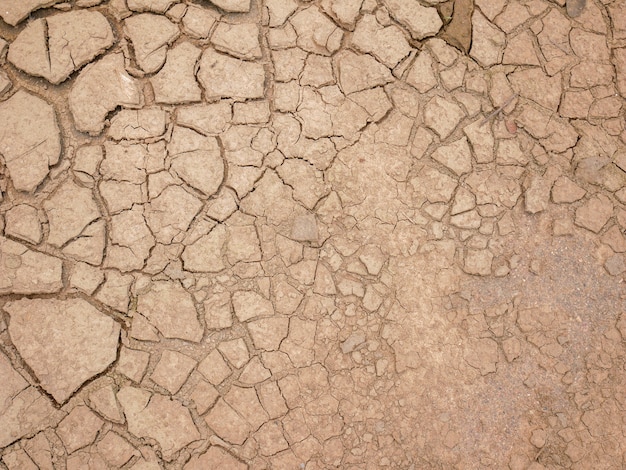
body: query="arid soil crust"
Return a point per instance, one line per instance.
(295, 234)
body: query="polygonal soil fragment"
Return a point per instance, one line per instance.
(172, 370)
(217, 311)
(205, 254)
(308, 183)
(99, 89)
(239, 40)
(159, 418)
(421, 75)
(143, 123)
(374, 100)
(103, 401)
(18, 459)
(478, 262)
(482, 141)
(197, 160)
(595, 213)
(268, 333)
(395, 129)
(482, 354)
(455, 156)
(249, 305)
(565, 190)
(280, 10)
(128, 162)
(433, 185)
(371, 189)
(458, 32)
(235, 6)
(176, 81)
(238, 144)
(64, 342)
(5, 83)
(214, 457)
(345, 12)
(115, 450)
(494, 187)
(226, 77)
(22, 221)
(360, 72)
(215, 369)
(242, 244)
(387, 44)
(535, 85)
(30, 140)
(270, 198)
(171, 212)
(23, 271)
(245, 401)
(131, 240)
(487, 41)
(89, 245)
(314, 115)
(55, 47)
(70, 209)
(13, 12)
(212, 118)
(316, 32)
(23, 409)
(12, 384)
(157, 6)
(442, 116)
(79, 428)
(170, 308)
(520, 50)
(227, 423)
(421, 21)
(304, 228)
(115, 290)
(150, 35)
(339, 116)
(198, 21)
(554, 133)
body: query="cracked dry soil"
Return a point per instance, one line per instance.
(289, 234)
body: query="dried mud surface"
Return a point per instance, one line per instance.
(288, 234)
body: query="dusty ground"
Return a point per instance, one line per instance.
(312, 234)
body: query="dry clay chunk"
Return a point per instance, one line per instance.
(226, 77)
(14, 11)
(421, 21)
(30, 139)
(24, 271)
(235, 6)
(64, 342)
(157, 6)
(155, 416)
(56, 46)
(150, 35)
(99, 89)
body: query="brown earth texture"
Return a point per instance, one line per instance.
(312, 234)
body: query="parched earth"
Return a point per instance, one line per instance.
(289, 234)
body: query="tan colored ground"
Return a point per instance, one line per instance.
(284, 234)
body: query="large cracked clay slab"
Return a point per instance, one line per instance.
(31, 143)
(45, 48)
(65, 343)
